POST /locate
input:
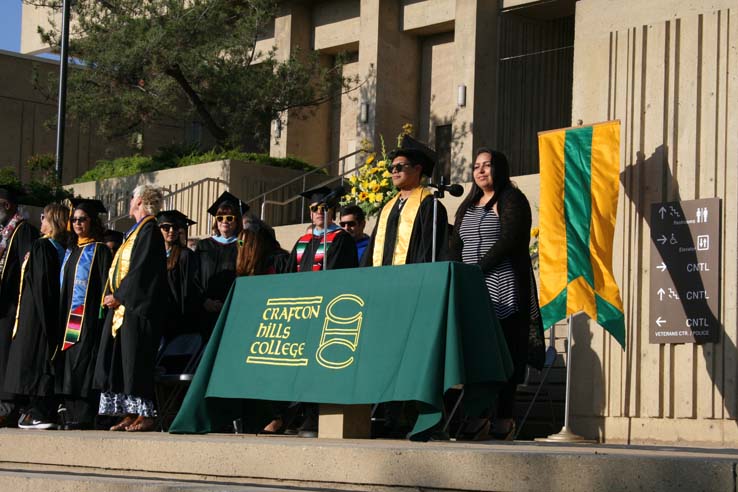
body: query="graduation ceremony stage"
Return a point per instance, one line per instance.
(83, 461)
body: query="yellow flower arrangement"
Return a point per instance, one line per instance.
(371, 186)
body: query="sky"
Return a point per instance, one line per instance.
(10, 25)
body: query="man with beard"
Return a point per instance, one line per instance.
(16, 238)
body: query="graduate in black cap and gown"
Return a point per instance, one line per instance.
(308, 254)
(16, 238)
(84, 272)
(217, 255)
(183, 275)
(30, 371)
(404, 230)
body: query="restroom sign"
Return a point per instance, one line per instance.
(685, 271)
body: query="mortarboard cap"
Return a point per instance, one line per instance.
(9, 193)
(236, 203)
(316, 194)
(112, 236)
(417, 152)
(91, 207)
(174, 217)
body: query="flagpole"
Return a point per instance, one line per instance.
(566, 434)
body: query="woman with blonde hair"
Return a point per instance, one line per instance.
(136, 309)
(30, 374)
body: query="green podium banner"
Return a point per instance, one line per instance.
(354, 336)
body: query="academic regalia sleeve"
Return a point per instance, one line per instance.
(280, 261)
(420, 249)
(141, 289)
(367, 259)
(342, 252)
(515, 222)
(103, 261)
(193, 290)
(42, 272)
(291, 264)
(24, 239)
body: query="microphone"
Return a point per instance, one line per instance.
(451, 189)
(334, 195)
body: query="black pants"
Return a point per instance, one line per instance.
(515, 329)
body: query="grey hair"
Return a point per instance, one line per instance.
(151, 196)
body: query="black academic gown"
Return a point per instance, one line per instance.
(341, 254)
(125, 363)
(420, 248)
(185, 290)
(75, 367)
(30, 368)
(217, 273)
(18, 245)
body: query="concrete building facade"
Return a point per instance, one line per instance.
(467, 73)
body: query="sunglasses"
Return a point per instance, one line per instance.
(317, 208)
(169, 227)
(225, 218)
(79, 220)
(348, 223)
(399, 167)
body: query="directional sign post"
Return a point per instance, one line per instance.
(685, 272)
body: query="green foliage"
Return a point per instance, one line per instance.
(162, 60)
(43, 188)
(172, 157)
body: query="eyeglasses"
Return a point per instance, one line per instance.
(399, 167)
(240, 243)
(225, 218)
(79, 220)
(169, 227)
(43, 217)
(317, 208)
(348, 223)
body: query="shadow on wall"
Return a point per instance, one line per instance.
(655, 172)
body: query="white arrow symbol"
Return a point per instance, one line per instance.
(661, 267)
(662, 212)
(662, 239)
(661, 293)
(660, 321)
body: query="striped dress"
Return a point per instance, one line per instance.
(480, 230)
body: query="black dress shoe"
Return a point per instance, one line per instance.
(71, 426)
(309, 433)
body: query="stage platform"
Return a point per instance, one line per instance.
(85, 461)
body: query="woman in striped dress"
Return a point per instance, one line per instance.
(492, 230)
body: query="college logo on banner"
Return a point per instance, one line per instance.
(277, 342)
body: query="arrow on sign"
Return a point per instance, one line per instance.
(662, 266)
(662, 212)
(660, 321)
(661, 293)
(662, 239)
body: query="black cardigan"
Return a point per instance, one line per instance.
(515, 223)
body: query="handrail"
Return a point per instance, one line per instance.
(303, 177)
(167, 198)
(322, 183)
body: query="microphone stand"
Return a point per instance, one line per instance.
(438, 193)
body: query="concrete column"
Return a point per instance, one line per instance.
(475, 42)
(304, 133)
(389, 66)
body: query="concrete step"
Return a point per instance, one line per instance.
(97, 460)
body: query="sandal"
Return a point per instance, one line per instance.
(124, 423)
(276, 426)
(142, 424)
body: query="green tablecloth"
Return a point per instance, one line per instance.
(356, 336)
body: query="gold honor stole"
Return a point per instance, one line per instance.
(404, 228)
(20, 292)
(119, 270)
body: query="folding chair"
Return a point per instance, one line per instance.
(176, 365)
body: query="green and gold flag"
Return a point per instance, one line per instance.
(579, 194)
